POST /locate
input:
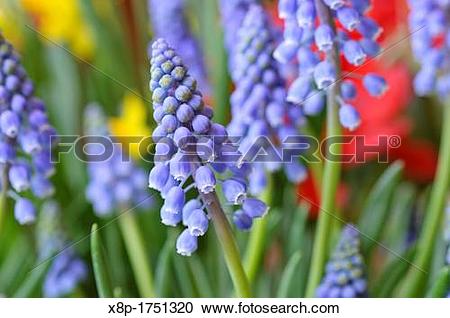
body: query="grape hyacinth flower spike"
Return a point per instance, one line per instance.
(345, 272)
(259, 107)
(25, 138)
(169, 22)
(429, 25)
(115, 181)
(312, 45)
(67, 270)
(190, 153)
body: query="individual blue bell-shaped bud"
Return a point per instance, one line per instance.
(349, 18)
(425, 82)
(19, 177)
(242, 220)
(314, 103)
(169, 218)
(123, 192)
(201, 124)
(190, 206)
(41, 186)
(348, 90)
(24, 211)
(286, 8)
(29, 141)
(180, 168)
(169, 123)
(325, 74)
(7, 152)
(285, 52)
(185, 113)
(254, 208)
(362, 6)
(158, 176)
(183, 137)
(370, 47)
(369, 29)
(306, 13)
(186, 243)
(324, 37)
(197, 222)
(354, 53)
(295, 172)
(335, 4)
(205, 180)
(9, 123)
(375, 84)
(174, 200)
(299, 90)
(234, 191)
(349, 117)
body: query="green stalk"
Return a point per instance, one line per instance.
(416, 279)
(3, 196)
(332, 170)
(258, 236)
(140, 262)
(228, 242)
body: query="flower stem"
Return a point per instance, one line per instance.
(332, 169)
(258, 235)
(416, 279)
(230, 249)
(140, 262)
(3, 195)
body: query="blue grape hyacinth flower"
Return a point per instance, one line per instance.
(259, 106)
(316, 42)
(345, 274)
(430, 42)
(169, 22)
(25, 137)
(193, 154)
(115, 181)
(67, 269)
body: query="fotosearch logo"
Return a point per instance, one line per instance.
(237, 149)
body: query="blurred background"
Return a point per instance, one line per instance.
(83, 51)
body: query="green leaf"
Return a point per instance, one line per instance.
(441, 286)
(393, 274)
(162, 273)
(396, 230)
(98, 262)
(375, 212)
(34, 280)
(288, 275)
(201, 279)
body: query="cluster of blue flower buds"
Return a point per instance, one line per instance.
(25, 137)
(233, 13)
(169, 22)
(314, 44)
(115, 181)
(191, 147)
(345, 272)
(67, 270)
(260, 112)
(430, 40)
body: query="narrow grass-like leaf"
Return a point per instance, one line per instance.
(377, 206)
(102, 281)
(201, 280)
(288, 275)
(163, 268)
(441, 286)
(33, 281)
(392, 275)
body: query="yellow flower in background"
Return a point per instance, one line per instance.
(62, 21)
(8, 26)
(132, 122)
